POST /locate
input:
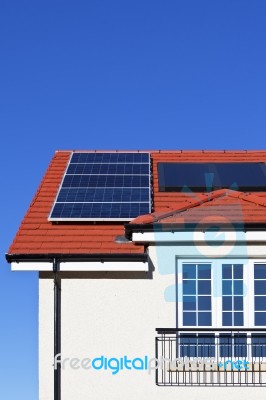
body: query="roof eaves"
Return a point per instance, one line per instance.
(173, 227)
(142, 257)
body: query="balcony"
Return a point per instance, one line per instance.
(211, 357)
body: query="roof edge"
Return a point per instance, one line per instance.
(163, 227)
(142, 257)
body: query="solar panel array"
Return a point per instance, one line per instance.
(244, 176)
(104, 186)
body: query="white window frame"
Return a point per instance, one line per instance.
(216, 291)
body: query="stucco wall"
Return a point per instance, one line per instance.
(112, 315)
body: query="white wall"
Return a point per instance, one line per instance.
(46, 338)
(115, 314)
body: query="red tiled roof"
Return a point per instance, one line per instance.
(171, 201)
(223, 206)
(37, 235)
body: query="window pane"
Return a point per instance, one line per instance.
(238, 319)
(188, 339)
(204, 271)
(189, 271)
(225, 345)
(204, 302)
(238, 287)
(260, 318)
(260, 271)
(227, 287)
(189, 302)
(205, 319)
(206, 345)
(260, 287)
(205, 338)
(188, 346)
(258, 345)
(260, 303)
(188, 350)
(189, 287)
(233, 346)
(240, 345)
(204, 287)
(189, 319)
(230, 287)
(238, 303)
(227, 271)
(227, 319)
(227, 303)
(196, 285)
(238, 271)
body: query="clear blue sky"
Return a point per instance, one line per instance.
(113, 74)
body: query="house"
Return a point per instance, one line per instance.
(152, 274)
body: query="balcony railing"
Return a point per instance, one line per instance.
(211, 357)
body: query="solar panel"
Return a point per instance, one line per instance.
(209, 176)
(104, 186)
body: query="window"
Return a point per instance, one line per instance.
(258, 345)
(220, 296)
(221, 293)
(233, 346)
(197, 294)
(232, 294)
(197, 345)
(260, 294)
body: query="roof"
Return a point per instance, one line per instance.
(224, 206)
(37, 235)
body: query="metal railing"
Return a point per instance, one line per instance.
(211, 357)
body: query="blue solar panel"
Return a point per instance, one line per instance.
(73, 195)
(110, 158)
(96, 181)
(209, 176)
(94, 210)
(108, 168)
(102, 186)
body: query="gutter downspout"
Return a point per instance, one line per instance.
(57, 329)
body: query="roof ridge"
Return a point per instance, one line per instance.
(207, 198)
(165, 151)
(252, 198)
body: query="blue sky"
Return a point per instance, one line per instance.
(113, 74)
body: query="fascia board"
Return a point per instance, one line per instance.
(81, 266)
(31, 266)
(198, 236)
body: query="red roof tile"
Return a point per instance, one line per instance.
(218, 206)
(37, 235)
